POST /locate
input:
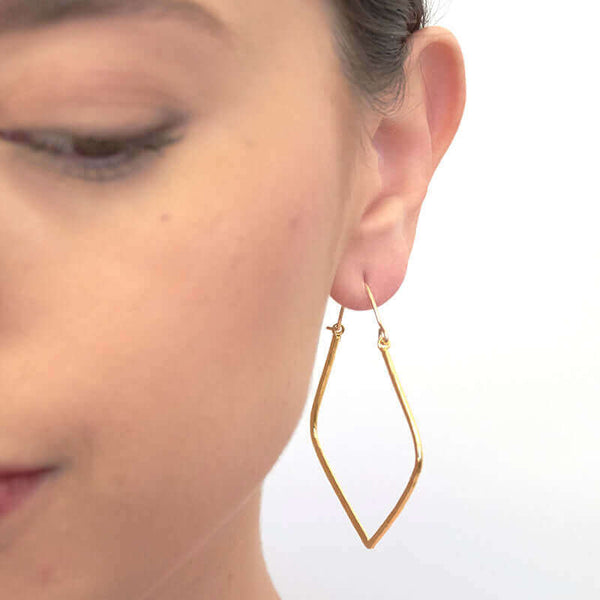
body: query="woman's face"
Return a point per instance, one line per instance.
(159, 317)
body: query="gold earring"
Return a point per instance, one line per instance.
(383, 343)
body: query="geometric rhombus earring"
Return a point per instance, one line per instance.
(383, 343)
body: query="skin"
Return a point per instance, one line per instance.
(158, 333)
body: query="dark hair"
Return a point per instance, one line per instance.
(371, 41)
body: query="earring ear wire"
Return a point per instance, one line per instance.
(383, 343)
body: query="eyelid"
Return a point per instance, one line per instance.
(124, 133)
(140, 146)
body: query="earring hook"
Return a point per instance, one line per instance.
(338, 328)
(383, 338)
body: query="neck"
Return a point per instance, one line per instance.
(229, 565)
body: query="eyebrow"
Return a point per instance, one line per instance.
(28, 14)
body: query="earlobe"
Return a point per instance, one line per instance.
(408, 146)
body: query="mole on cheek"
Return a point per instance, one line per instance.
(296, 221)
(165, 217)
(46, 574)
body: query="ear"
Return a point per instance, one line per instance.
(408, 145)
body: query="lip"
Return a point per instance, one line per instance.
(22, 470)
(17, 484)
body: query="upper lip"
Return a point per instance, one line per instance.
(15, 471)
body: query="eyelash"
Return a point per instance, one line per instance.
(128, 156)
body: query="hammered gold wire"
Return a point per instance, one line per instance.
(383, 343)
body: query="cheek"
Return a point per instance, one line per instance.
(181, 344)
(219, 352)
(235, 308)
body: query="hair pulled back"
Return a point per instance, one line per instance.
(372, 41)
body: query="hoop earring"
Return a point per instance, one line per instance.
(383, 343)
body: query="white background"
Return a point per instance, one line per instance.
(495, 336)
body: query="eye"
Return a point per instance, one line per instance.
(94, 157)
